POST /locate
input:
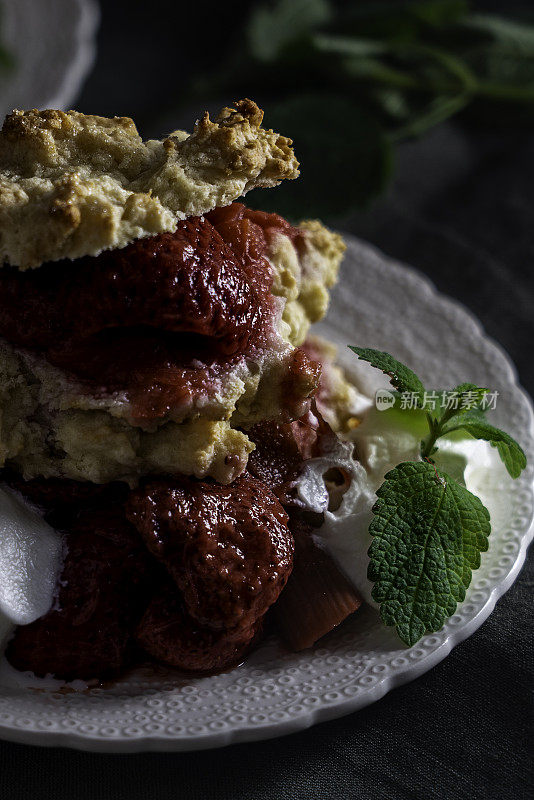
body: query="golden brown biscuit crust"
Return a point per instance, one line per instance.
(73, 184)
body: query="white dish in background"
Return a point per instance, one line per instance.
(52, 43)
(377, 303)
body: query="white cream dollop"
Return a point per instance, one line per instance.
(30, 562)
(383, 440)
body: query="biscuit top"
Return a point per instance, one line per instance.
(73, 184)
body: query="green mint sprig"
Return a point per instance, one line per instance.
(428, 530)
(402, 377)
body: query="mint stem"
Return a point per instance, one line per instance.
(428, 444)
(436, 430)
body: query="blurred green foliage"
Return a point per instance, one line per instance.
(348, 83)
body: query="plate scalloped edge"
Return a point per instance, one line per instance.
(68, 50)
(356, 665)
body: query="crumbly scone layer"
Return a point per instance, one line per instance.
(73, 185)
(54, 425)
(303, 272)
(49, 428)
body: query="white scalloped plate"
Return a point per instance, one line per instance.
(377, 303)
(52, 43)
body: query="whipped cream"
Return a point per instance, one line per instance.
(383, 440)
(30, 563)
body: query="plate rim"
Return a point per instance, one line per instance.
(83, 59)
(211, 740)
(82, 55)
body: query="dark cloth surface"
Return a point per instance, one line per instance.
(461, 210)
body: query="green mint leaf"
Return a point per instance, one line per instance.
(428, 533)
(476, 424)
(465, 397)
(470, 387)
(402, 377)
(271, 29)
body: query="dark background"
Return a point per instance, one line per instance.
(461, 209)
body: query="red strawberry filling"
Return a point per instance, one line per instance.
(160, 320)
